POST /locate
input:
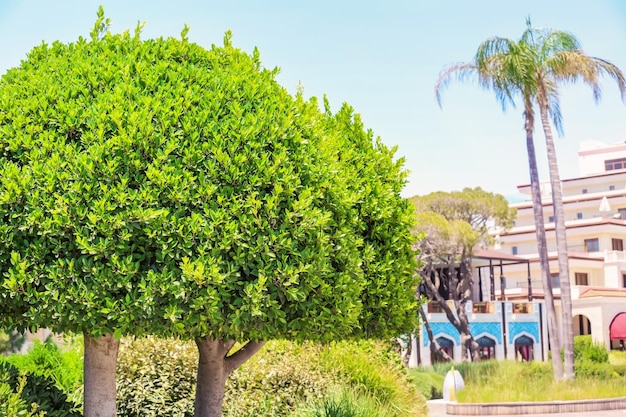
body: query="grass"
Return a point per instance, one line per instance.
(427, 382)
(510, 381)
(617, 357)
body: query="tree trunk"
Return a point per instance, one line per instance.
(464, 294)
(561, 242)
(460, 292)
(214, 366)
(211, 377)
(542, 248)
(467, 340)
(435, 347)
(99, 375)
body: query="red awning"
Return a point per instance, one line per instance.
(618, 327)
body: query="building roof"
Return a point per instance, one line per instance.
(495, 255)
(602, 292)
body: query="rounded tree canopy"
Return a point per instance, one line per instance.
(156, 187)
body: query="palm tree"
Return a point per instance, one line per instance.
(533, 68)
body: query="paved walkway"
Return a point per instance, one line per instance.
(437, 408)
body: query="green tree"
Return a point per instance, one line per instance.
(453, 225)
(156, 187)
(532, 68)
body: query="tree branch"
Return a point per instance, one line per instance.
(244, 353)
(434, 345)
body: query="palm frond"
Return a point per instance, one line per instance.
(554, 111)
(460, 72)
(555, 41)
(572, 66)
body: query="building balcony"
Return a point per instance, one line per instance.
(614, 256)
(483, 308)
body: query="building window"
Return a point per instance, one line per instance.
(581, 278)
(551, 219)
(555, 279)
(624, 280)
(514, 250)
(622, 213)
(617, 244)
(579, 216)
(611, 164)
(584, 191)
(611, 187)
(592, 245)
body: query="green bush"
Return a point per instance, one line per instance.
(157, 377)
(38, 390)
(602, 371)
(47, 360)
(278, 380)
(586, 350)
(11, 401)
(372, 368)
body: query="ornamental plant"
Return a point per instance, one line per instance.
(157, 187)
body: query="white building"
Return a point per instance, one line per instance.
(595, 219)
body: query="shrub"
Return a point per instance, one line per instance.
(47, 360)
(371, 368)
(586, 350)
(38, 390)
(11, 401)
(278, 380)
(157, 377)
(602, 371)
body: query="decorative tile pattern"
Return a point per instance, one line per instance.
(531, 328)
(492, 328)
(446, 328)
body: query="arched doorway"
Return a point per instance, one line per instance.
(582, 325)
(524, 348)
(487, 347)
(447, 345)
(617, 331)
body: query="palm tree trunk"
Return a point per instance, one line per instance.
(561, 242)
(542, 248)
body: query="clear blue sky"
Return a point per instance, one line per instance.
(383, 58)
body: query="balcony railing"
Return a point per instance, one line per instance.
(483, 308)
(435, 307)
(614, 256)
(522, 308)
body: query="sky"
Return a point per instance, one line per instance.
(383, 58)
